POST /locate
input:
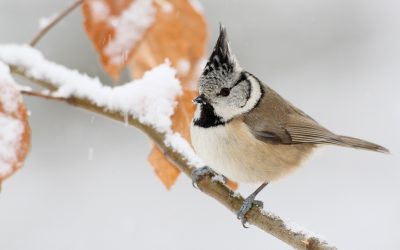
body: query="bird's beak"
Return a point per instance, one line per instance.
(200, 99)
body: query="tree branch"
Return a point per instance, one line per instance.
(58, 18)
(44, 96)
(266, 221)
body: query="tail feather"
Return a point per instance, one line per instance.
(361, 144)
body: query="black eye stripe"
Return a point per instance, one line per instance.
(226, 91)
(242, 78)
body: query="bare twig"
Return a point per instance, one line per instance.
(63, 14)
(44, 96)
(267, 222)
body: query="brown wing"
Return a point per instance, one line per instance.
(302, 129)
(267, 120)
(275, 120)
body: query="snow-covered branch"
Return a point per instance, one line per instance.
(146, 104)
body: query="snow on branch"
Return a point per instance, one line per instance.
(150, 99)
(148, 103)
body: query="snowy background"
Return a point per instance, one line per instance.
(87, 185)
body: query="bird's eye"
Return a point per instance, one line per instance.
(225, 92)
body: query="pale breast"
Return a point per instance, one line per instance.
(232, 150)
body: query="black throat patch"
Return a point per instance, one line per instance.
(208, 118)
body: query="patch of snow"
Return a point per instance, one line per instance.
(8, 90)
(182, 146)
(183, 66)
(45, 21)
(301, 230)
(236, 194)
(5, 74)
(100, 10)
(45, 92)
(11, 130)
(130, 27)
(218, 178)
(294, 228)
(197, 6)
(166, 6)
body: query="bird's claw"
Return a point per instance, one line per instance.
(198, 173)
(245, 208)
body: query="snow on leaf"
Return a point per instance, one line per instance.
(116, 28)
(179, 34)
(14, 127)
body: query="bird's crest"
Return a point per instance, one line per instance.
(221, 57)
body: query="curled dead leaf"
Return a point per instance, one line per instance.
(14, 130)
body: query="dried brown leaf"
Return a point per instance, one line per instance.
(14, 130)
(116, 29)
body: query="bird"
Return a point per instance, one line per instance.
(248, 133)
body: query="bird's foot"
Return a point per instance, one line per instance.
(246, 206)
(199, 173)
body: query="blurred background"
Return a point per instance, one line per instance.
(87, 185)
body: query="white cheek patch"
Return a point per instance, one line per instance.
(227, 113)
(255, 95)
